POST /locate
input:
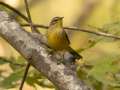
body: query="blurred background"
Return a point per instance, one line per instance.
(101, 56)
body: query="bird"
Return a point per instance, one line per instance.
(58, 40)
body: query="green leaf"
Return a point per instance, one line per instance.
(36, 77)
(17, 63)
(105, 69)
(11, 80)
(3, 60)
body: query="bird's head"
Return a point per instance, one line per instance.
(56, 21)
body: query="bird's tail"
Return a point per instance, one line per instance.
(74, 53)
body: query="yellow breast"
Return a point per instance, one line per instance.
(57, 41)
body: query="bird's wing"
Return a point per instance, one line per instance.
(65, 34)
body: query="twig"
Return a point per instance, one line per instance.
(29, 18)
(80, 29)
(96, 33)
(14, 10)
(24, 76)
(33, 29)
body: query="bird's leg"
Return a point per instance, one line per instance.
(50, 51)
(61, 60)
(55, 54)
(59, 55)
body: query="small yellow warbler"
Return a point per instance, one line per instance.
(57, 37)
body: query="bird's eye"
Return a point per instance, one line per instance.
(55, 20)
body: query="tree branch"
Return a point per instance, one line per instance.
(29, 47)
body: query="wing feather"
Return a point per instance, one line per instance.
(66, 36)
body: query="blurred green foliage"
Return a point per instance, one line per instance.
(14, 78)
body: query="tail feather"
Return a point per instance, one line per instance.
(74, 53)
